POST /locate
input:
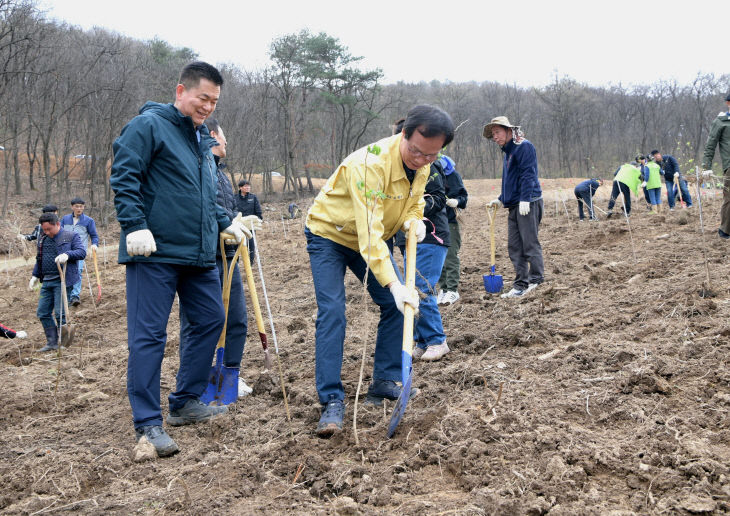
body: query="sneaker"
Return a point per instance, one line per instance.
(47, 348)
(330, 422)
(440, 297)
(243, 389)
(385, 389)
(418, 352)
(671, 209)
(435, 352)
(531, 287)
(194, 411)
(163, 443)
(75, 301)
(515, 292)
(720, 233)
(450, 298)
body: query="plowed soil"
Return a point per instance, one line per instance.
(604, 391)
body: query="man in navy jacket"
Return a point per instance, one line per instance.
(56, 247)
(670, 169)
(584, 192)
(164, 180)
(522, 195)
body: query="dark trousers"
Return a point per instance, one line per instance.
(237, 325)
(151, 290)
(449, 281)
(725, 209)
(523, 245)
(50, 301)
(584, 200)
(329, 261)
(618, 188)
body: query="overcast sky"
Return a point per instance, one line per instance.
(522, 42)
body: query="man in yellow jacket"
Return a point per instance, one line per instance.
(375, 191)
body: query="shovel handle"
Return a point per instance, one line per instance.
(408, 310)
(227, 279)
(492, 215)
(64, 297)
(96, 272)
(255, 300)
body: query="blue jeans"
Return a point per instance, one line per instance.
(686, 197)
(76, 290)
(584, 198)
(429, 329)
(237, 325)
(51, 301)
(329, 262)
(151, 290)
(655, 195)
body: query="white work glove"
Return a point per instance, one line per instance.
(141, 243)
(21, 334)
(402, 294)
(420, 229)
(494, 202)
(22, 237)
(705, 173)
(251, 222)
(94, 247)
(524, 207)
(643, 184)
(33, 282)
(452, 203)
(61, 258)
(237, 231)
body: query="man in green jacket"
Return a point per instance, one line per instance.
(720, 135)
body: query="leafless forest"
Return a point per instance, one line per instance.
(65, 94)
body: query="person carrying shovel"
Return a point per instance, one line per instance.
(522, 196)
(56, 246)
(375, 191)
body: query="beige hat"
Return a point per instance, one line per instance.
(500, 120)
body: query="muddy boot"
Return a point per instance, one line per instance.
(51, 338)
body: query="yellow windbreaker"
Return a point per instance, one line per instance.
(341, 211)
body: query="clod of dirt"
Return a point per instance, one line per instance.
(698, 504)
(635, 279)
(662, 237)
(380, 497)
(265, 384)
(143, 451)
(706, 292)
(683, 220)
(345, 505)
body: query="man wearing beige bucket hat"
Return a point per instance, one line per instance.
(522, 196)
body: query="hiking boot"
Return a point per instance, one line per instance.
(243, 388)
(450, 298)
(722, 234)
(163, 443)
(418, 352)
(435, 352)
(75, 301)
(515, 292)
(194, 411)
(51, 339)
(330, 422)
(385, 389)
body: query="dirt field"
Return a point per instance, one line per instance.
(605, 391)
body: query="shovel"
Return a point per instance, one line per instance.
(98, 279)
(256, 308)
(67, 330)
(222, 388)
(407, 353)
(492, 282)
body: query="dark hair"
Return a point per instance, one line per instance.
(50, 208)
(212, 125)
(430, 122)
(193, 72)
(654, 152)
(243, 182)
(398, 125)
(51, 218)
(77, 200)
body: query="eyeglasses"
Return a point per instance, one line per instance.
(419, 154)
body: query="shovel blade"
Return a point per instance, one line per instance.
(400, 406)
(222, 388)
(67, 334)
(493, 282)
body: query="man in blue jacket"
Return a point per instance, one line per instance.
(670, 169)
(85, 227)
(584, 192)
(522, 195)
(164, 180)
(55, 246)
